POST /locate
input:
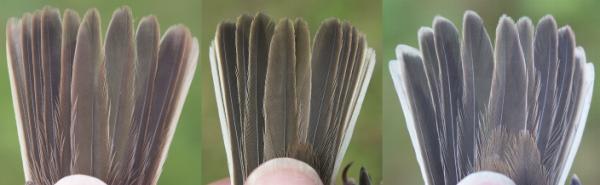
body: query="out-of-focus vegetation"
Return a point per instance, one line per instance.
(365, 148)
(183, 163)
(402, 19)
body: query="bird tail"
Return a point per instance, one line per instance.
(518, 108)
(84, 106)
(276, 98)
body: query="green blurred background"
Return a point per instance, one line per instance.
(403, 18)
(365, 148)
(183, 163)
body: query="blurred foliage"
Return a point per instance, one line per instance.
(402, 19)
(365, 148)
(183, 163)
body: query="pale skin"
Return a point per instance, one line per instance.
(273, 172)
(280, 171)
(79, 180)
(486, 178)
(293, 176)
(293, 172)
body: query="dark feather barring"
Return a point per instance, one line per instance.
(517, 109)
(106, 109)
(276, 98)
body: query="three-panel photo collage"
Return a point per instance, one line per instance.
(299, 92)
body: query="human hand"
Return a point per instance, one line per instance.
(79, 180)
(486, 178)
(280, 171)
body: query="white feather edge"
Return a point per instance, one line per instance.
(397, 69)
(366, 79)
(189, 72)
(215, 69)
(583, 110)
(17, 107)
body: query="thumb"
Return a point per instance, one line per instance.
(284, 171)
(486, 178)
(79, 180)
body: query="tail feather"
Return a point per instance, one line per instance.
(280, 88)
(303, 76)
(94, 108)
(89, 102)
(546, 64)
(478, 66)
(539, 90)
(410, 80)
(447, 46)
(295, 103)
(70, 26)
(120, 57)
(508, 98)
(51, 32)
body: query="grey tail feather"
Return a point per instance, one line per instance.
(447, 46)
(89, 101)
(177, 59)
(539, 89)
(63, 102)
(303, 76)
(418, 86)
(478, 66)
(71, 21)
(119, 48)
(526, 36)
(261, 32)
(546, 65)
(243, 31)
(324, 62)
(147, 41)
(508, 95)
(225, 51)
(281, 110)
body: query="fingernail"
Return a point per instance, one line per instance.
(284, 171)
